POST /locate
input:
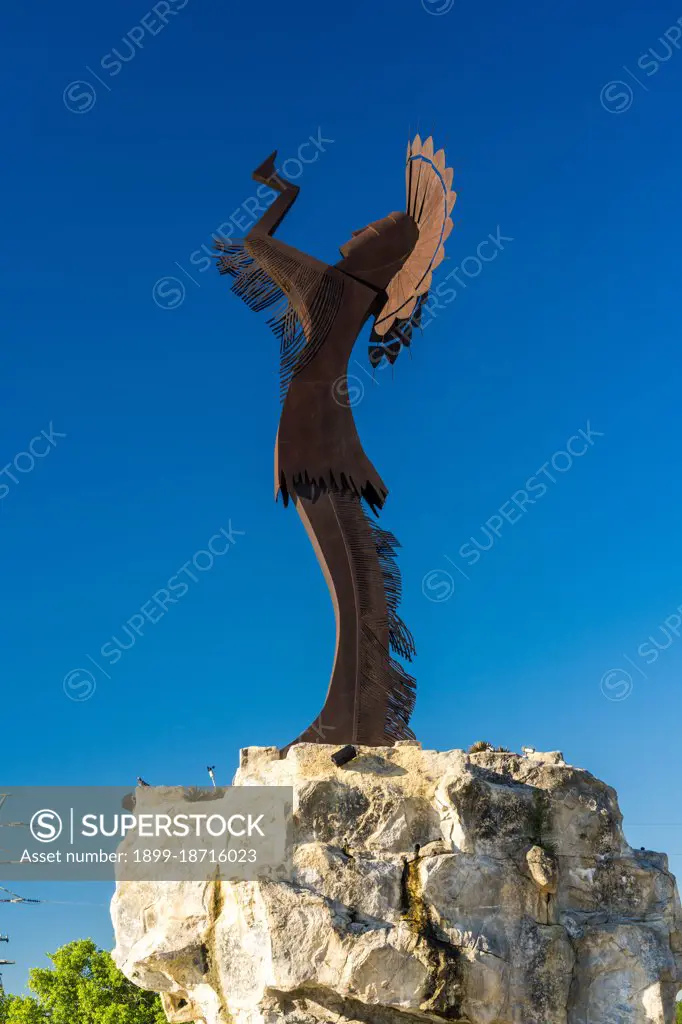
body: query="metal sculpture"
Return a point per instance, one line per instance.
(320, 466)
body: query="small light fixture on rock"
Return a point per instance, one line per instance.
(344, 755)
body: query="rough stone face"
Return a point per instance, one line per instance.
(488, 888)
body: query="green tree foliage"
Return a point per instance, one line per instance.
(83, 987)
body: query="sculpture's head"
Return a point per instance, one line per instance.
(377, 252)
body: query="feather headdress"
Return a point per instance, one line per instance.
(430, 200)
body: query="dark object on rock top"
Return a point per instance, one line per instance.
(344, 755)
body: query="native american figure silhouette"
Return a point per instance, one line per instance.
(385, 272)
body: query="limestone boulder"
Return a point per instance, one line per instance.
(489, 888)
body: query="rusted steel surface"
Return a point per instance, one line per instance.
(317, 313)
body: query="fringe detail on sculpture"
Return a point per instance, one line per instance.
(390, 345)
(382, 680)
(400, 638)
(303, 485)
(264, 275)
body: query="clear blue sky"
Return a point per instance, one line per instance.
(170, 414)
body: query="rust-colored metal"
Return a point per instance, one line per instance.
(320, 466)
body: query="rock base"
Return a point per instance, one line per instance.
(489, 888)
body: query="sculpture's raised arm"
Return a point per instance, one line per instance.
(266, 174)
(260, 264)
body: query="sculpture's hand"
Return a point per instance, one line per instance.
(266, 174)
